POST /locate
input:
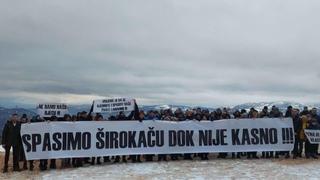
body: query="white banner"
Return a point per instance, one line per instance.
(113, 105)
(313, 135)
(105, 138)
(52, 109)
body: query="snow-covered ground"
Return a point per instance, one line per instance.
(213, 169)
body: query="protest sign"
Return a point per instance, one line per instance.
(107, 138)
(113, 105)
(52, 109)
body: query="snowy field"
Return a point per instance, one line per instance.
(213, 169)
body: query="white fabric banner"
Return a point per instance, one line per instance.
(52, 109)
(113, 105)
(313, 135)
(105, 138)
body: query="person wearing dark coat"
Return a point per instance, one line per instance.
(53, 161)
(305, 111)
(224, 114)
(11, 138)
(315, 117)
(42, 162)
(134, 115)
(140, 116)
(253, 114)
(297, 126)
(276, 113)
(265, 114)
(311, 150)
(66, 162)
(98, 117)
(23, 120)
(289, 112)
(151, 116)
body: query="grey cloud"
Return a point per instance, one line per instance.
(204, 52)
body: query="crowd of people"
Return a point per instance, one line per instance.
(302, 119)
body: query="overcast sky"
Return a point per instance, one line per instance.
(160, 52)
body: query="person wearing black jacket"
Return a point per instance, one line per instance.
(311, 150)
(138, 115)
(53, 161)
(34, 120)
(11, 138)
(23, 120)
(297, 126)
(134, 115)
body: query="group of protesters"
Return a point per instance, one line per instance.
(302, 119)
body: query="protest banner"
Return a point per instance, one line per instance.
(107, 138)
(113, 105)
(52, 109)
(313, 135)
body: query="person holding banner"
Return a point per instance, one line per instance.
(297, 126)
(254, 115)
(140, 116)
(53, 161)
(11, 139)
(265, 114)
(121, 117)
(83, 116)
(316, 117)
(236, 115)
(151, 115)
(134, 115)
(33, 120)
(276, 113)
(66, 162)
(166, 115)
(98, 117)
(224, 114)
(311, 149)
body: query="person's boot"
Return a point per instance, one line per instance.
(17, 169)
(53, 166)
(233, 156)
(25, 167)
(314, 156)
(138, 159)
(238, 156)
(307, 155)
(149, 158)
(31, 167)
(117, 159)
(255, 157)
(98, 161)
(106, 159)
(187, 157)
(42, 168)
(5, 169)
(86, 160)
(248, 156)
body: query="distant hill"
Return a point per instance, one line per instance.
(282, 105)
